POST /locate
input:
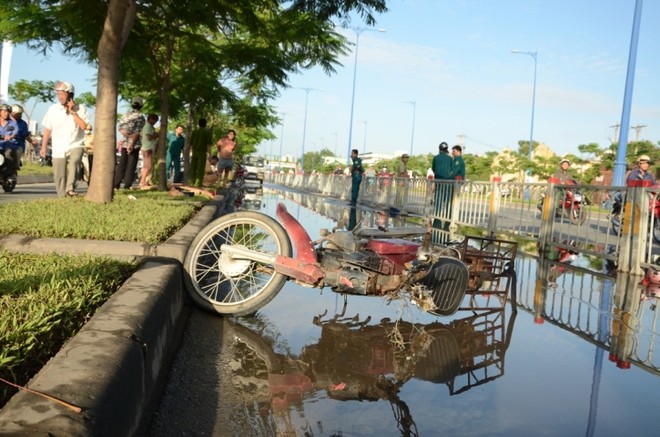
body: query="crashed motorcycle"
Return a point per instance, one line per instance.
(654, 214)
(7, 177)
(572, 204)
(239, 262)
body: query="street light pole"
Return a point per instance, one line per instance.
(282, 136)
(307, 91)
(364, 145)
(358, 31)
(531, 130)
(412, 134)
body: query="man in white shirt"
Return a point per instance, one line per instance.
(64, 124)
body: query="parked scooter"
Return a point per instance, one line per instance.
(572, 204)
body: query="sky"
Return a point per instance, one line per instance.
(454, 60)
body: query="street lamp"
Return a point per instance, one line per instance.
(282, 136)
(364, 145)
(307, 91)
(531, 130)
(412, 134)
(358, 31)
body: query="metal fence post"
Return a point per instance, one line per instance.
(634, 228)
(548, 215)
(494, 206)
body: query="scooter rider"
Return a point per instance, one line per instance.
(8, 144)
(642, 172)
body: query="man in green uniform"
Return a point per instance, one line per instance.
(200, 144)
(356, 176)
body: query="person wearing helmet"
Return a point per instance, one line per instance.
(8, 144)
(64, 126)
(23, 137)
(562, 174)
(643, 171)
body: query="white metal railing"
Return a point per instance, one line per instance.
(513, 210)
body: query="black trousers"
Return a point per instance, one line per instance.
(125, 169)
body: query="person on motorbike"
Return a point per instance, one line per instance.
(642, 172)
(8, 144)
(23, 137)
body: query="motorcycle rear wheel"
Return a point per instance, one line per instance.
(226, 285)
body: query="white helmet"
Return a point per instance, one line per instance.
(65, 86)
(16, 109)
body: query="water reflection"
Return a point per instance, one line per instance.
(357, 359)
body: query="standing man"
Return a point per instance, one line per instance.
(458, 168)
(402, 176)
(65, 124)
(148, 139)
(176, 141)
(226, 146)
(130, 126)
(442, 163)
(356, 176)
(200, 144)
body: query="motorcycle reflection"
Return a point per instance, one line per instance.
(355, 360)
(564, 254)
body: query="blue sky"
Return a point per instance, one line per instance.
(454, 60)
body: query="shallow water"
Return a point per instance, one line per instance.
(322, 364)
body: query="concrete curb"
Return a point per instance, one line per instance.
(115, 367)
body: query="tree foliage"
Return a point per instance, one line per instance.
(211, 57)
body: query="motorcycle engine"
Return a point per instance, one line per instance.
(350, 272)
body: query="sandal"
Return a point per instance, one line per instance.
(71, 193)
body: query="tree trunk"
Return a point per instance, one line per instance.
(165, 113)
(118, 24)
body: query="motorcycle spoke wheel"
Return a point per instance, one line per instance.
(577, 214)
(218, 282)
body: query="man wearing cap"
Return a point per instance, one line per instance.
(130, 126)
(64, 126)
(442, 166)
(642, 172)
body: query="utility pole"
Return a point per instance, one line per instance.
(461, 140)
(638, 130)
(616, 132)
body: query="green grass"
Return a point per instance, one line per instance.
(46, 299)
(36, 169)
(151, 217)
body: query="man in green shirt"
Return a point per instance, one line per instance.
(458, 167)
(200, 145)
(356, 176)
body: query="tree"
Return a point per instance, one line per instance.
(37, 90)
(98, 31)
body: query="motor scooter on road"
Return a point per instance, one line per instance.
(7, 177)
(239, 262)
(654, 214)
(572, 204)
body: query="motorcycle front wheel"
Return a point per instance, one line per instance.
(8, 187)
(226, 285)
(577, 214)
